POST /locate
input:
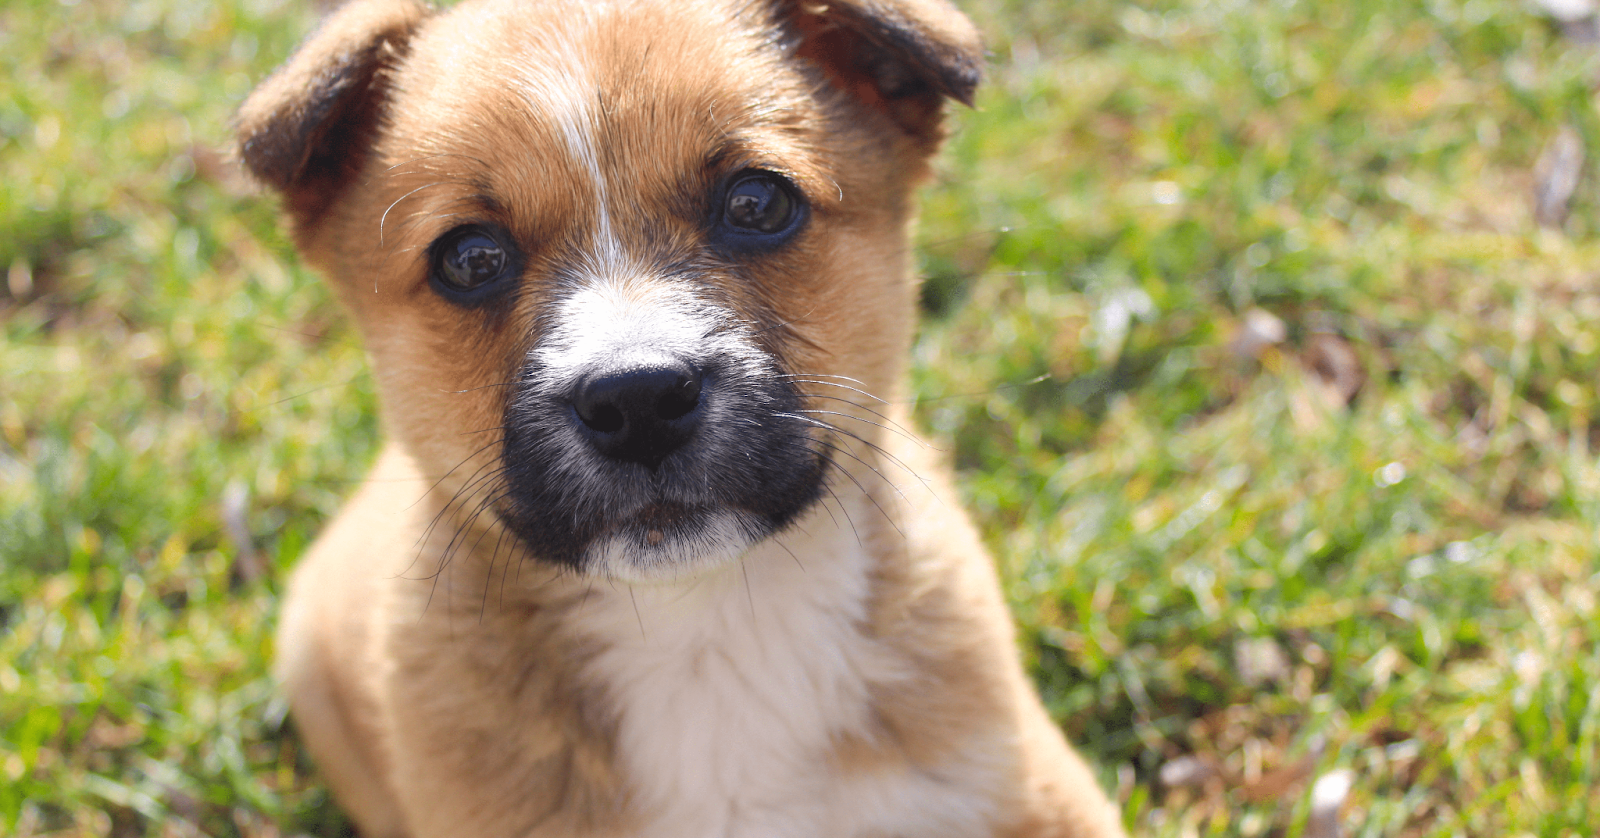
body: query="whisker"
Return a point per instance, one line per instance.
(910, 435)
(486, 446)
(997, 388)
(461, 497)
(504, 531)
(889, 427)
(481, 504)
(637, 615)
(854, 456)
(417, 218)
(828, 426)
(439, 213)
(307, 393)
(385, 217)
(827, 375)
(784, 324)
(779, 541)
(871, 497)
(482, 387)
(749, 597)
(390, 172)
(488, 579)
(828, 461)
(427, 531)
(847, 518)
(444, 564)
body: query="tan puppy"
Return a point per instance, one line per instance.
(649, 552)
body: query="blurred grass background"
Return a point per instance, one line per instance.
(1271, 389)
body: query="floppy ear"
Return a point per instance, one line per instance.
(899, 57)
(306, 130)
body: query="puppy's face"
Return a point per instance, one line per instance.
(614, 261)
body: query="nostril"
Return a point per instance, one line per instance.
(603, 418)
(679, 399)
(600, 404)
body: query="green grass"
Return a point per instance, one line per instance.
(1217, 550)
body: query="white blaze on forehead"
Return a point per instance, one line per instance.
(563, 92)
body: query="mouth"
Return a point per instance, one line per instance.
(662, 520)
(660, 540)
(666, 541)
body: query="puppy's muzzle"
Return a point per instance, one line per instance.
(650, 435)
(642, 412)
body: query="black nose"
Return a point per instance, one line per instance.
(642, 413)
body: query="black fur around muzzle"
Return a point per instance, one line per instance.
(654, 451)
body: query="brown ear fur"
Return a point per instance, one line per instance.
(305, 130)
(900, 57)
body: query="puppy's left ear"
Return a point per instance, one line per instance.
(899, 57)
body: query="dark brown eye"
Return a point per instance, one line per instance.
(761, 203)
(469, 258)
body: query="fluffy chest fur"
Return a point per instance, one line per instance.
(735, 692)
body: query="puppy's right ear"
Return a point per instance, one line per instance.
(306, 130)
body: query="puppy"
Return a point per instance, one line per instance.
(650, 551)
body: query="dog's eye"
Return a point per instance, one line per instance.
(469, 258)
(761, 204)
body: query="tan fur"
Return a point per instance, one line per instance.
(450, 686)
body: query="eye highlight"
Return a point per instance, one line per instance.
(760, 210)
(470, 262)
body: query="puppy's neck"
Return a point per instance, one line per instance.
(736, 685)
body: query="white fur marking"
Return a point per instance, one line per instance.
(729, 713)
(567, 93)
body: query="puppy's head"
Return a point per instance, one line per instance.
(615, 261)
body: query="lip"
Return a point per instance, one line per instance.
(661, 520)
